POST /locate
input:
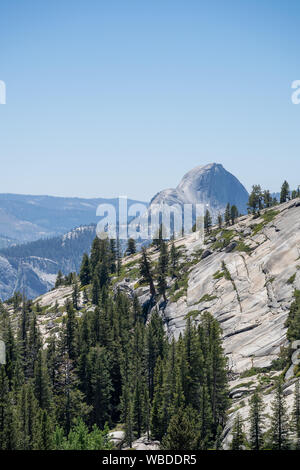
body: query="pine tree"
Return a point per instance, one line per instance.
(285, 191)
(127, 413)
(42, 383)
(162, 269)
(146, 271)
(174, 258)
(101, 386)
(238, 436)
(95, 290)
(85, 270)
(182, 434)
(71, 331)
(220, 221)
(118, 257)
(279, 420)
(234, 213)
(75, 295)
(267, 199)
(296, 414)
(131, 246)
(227, 215)
(255, 199)
(256, 421)
(59, 280)
(207, 221)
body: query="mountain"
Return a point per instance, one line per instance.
(210, 185)
(25, 218)
(245, 276)
(32, 267)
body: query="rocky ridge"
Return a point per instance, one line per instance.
(245, 276)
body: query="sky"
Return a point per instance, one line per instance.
(123, 97)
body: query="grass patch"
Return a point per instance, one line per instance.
(268, 216)
(241, 246)
(218, 275)
(192, 313)
(291, 280)
(178, 294)
(207, 298)
(226, 272)
(224, 240)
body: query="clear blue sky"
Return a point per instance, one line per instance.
(125, 96)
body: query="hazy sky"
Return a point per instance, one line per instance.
(108, 97)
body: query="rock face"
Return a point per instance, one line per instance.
(210, 185)
(248, 289)
(249, 293)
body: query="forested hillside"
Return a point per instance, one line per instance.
(141, 346)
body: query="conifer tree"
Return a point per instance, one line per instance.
(182, 434)
(85, 270)
(256, 421)
(162, 269)
(238, 436)
(279, 420)
(131, 247)
(227, 215)
(233, 214)
(42, 383)
(174, 260)
(59, 280)
(220, 220)
(255, 199)
(296, 414)
(146, 271)
(207, 221)
(285, 191)
(75, 295)
(267, 199)
(71, 331)
(118, 257)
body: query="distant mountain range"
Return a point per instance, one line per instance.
(26, 218)
(37, 234)
(32, 268)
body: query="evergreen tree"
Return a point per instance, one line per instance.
(285, 191)
(238, 436)
(227, 215)
(71, 331)
(255, 199)
(256, 421)
(131, 246)
(182, 434)
(207, 221)
(234, 213)
(85, 270)
(146, 271)
(220, 220)
(296, 414)
(174, 259)
(118, 257)
(59, 280)
(162, 269)
(75, 295)
(268, 202)
(279, 421)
